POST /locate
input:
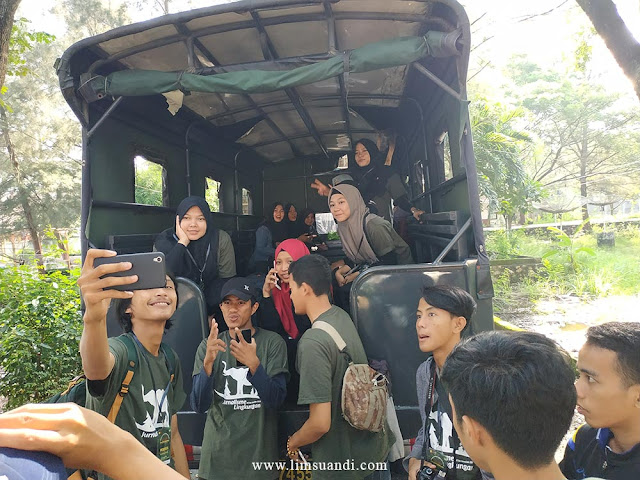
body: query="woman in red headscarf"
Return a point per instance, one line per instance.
(276, 312)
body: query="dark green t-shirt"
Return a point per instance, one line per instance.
(394, 189)
(322, 369)
(239, 429)
(143, 412)
(384, 239)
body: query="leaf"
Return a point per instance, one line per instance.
(587, 250)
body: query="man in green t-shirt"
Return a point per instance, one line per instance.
(338, 450)
(240, 385)
(149, 409)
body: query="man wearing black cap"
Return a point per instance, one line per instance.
(240, 384)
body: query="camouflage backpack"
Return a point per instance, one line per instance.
(364, 390)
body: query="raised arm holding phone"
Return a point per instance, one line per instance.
(155, 391)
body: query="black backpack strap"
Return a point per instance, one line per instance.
(132, 357)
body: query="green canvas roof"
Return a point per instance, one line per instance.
(293, 72)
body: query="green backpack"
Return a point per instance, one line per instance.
(76, 391)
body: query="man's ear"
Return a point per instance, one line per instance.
(458, 324)
(474, 431)
(306, 289)
(254, 307)
(635, 392)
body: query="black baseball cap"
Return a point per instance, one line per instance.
(238, 286)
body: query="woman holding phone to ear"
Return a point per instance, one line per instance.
(276, 311)
(197, 250)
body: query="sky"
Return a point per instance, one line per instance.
(546, 39)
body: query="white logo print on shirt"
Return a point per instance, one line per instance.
(159, 418)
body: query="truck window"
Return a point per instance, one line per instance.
(212, 194)
(247, 204)
(150, 182)
(448, 166)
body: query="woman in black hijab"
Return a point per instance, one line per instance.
(268, 235)
(195, 249)
(378, 184)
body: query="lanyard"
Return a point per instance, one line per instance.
(153, 380)
(426, 443)
(204, 265)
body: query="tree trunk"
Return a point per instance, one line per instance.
(63, 245)
(22, 192)
(7, 12)
(584, 158)
(619, 40)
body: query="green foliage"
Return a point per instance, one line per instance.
(22, 41)
(499, 147)
(148, 182)
(605, 272)
(503, 245)
(40, 327)
(567, 248)
(333, 236)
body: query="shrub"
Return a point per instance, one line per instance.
(503, 245)
(40, 328)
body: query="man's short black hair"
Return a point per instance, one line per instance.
(452, 299)
(623, 338)
(517, 385)
(315, 271)
(124, 318)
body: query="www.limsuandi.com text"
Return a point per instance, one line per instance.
(347, 465)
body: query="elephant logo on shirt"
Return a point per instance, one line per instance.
(160, 418)
(239, 376)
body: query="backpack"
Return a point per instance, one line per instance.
(364, 390)
(76, 392)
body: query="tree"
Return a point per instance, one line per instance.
(500, 150)
(585, 135)
(85, 18)
(22, 41)
(616, 35)
(7, 12)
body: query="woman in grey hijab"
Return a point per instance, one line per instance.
(367, 239)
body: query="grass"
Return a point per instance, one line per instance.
(609, 271)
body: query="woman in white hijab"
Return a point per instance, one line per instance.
(367, 239)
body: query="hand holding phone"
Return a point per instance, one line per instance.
(97, 289)
(243, 348)
(150, 268)
(275, 282)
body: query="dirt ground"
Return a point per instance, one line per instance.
(566, 318)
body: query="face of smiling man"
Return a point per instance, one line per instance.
(154, 304)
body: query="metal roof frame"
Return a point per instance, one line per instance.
(195, 47)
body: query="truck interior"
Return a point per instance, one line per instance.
(253, 100)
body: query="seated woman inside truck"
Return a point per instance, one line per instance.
(367, 240)
(195, 249)
(268, 235)
(309, 230)
(276, 312)
(378, 183)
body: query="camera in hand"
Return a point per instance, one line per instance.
(428, 473)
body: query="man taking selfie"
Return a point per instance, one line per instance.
(155, 392)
